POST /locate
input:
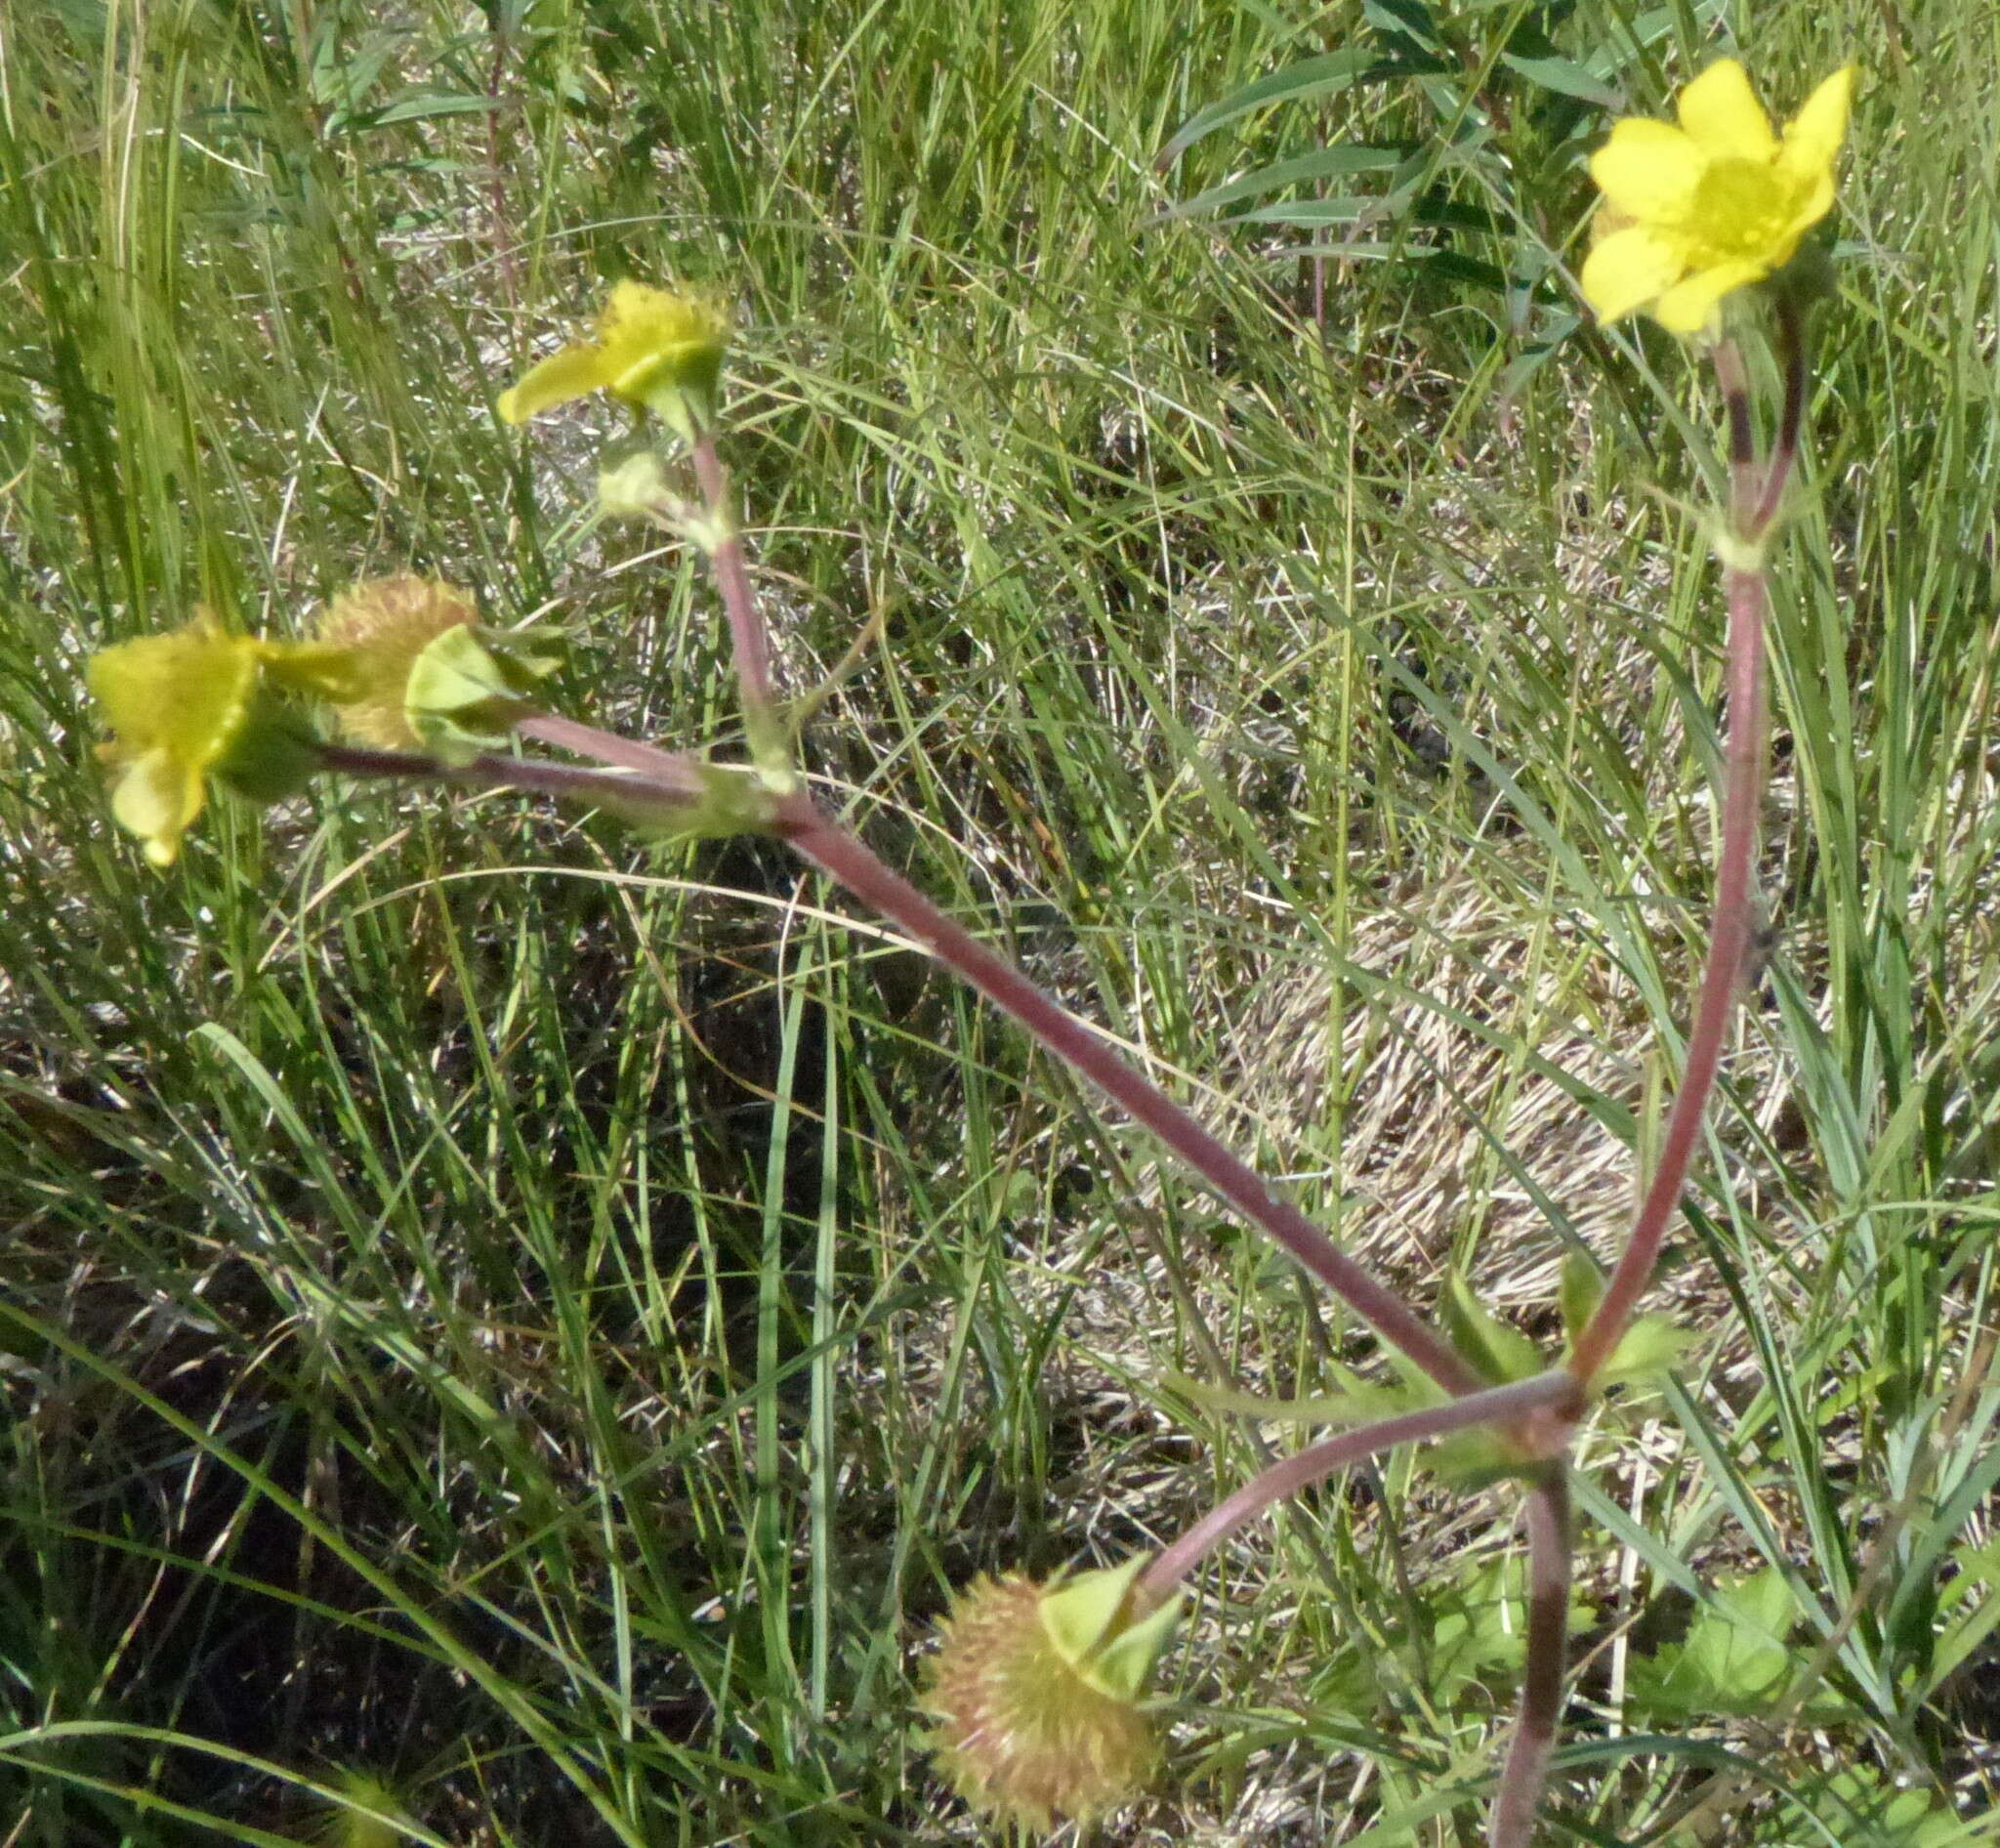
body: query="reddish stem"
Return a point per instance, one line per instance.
(748, 637)
(487, 772)
(839, 854)
(1499, 1405)
(1511, 1823)
(1727, 947)
(608, 747)
(1753, 507)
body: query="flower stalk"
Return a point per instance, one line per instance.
(1754, 505)
(1502, 1406)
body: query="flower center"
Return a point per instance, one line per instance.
(1742, 210)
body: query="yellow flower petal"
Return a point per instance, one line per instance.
(574, 372)
(1814, 136)
(1693, 212)
(1721, 112)
(157, 797)
(176, 703)
(655, 350)
(1649, 170)
(1630, 268)
(1688, 307)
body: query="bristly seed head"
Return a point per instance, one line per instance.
(1035, 1691)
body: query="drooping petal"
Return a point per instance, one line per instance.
(1813, 137)
(1630, 268)
(1649, 170)
(1688, 307)
(157, 797)
(1721, 112)
(574, 372)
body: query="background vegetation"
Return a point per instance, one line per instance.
(516, 1336)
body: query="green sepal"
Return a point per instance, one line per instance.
(633, 482)
(1808, 278)
(732, 801)
(1581, 1291)
(464, 695)
(1086, 1620)
(273, 757)
(1124, 1665)
(1487, 1345)
(684, 390)
(1078, 1615)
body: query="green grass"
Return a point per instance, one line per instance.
(546, 1324)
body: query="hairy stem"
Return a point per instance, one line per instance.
(1511, 1823)
(749, 641)
(1498, 1406)
(666, 789)
(1754, 506)
(839, 854)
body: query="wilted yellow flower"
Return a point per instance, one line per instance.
(379, 627)
(1036, 1694)
(177, 705)
(1695, 211)
(655, 349)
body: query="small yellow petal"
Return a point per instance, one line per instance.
(1721, 112)
(573, 372)
(156, 798)
(1813, 137)
(1690, 305)
(1649, 170)
(1630, 268)
(1814, 204)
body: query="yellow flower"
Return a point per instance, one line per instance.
(1036, 1694)
(178, 704)
(655, 349)
(1693, 212)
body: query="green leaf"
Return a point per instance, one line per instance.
(1408, 21)
(1581, 1290)
(1565, 77)
(1324, 75)
(1358, 1404)
(1492, 1349)
(1327, 163)
(1734, 1659)
(424, 104)
(1651, 1347)
(1349, 209)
